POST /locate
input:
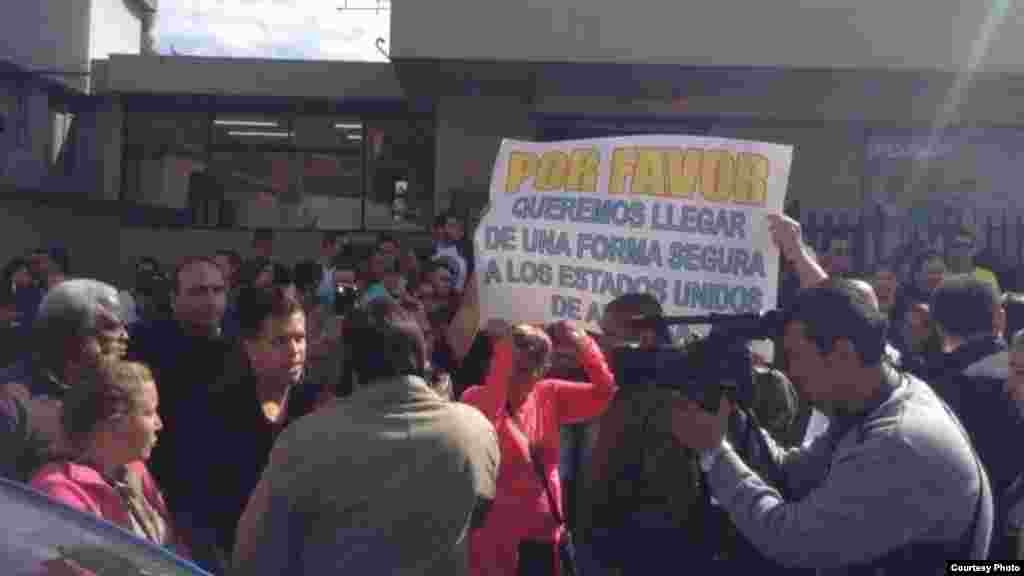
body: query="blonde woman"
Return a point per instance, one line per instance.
(111, 422)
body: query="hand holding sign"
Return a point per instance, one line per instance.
(786, 233)
(574, 225)
(566, 333)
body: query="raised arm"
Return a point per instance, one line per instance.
(786, 233)
(579, 401)
(490, 398)
(464, 327)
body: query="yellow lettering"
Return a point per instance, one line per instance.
(584, 169)
(751, 179)
(554, 167)
(683, 171)
(623, 160)
(521, 167)
(717, 176)
(649, 177)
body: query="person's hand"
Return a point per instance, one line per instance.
(786, 233)
(566, 332)
(497, 328)
(697, 428)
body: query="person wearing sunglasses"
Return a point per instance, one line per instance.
(526, 528)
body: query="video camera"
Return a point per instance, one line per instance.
(345, 298)
(704, 369)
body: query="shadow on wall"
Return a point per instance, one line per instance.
(101, 248)
(92, 239)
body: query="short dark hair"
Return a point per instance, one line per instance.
(385, 341)
(13, 266)
(641, 304)
(453, 214)
(7, 296)
(58, 255)
(256, 305)
(440, 220)
(187, 262)
(251, 269)
(283, 274)
(263, 236)
(308, 274)
(390, 265)
(963, 306)
(148, 261)
(837, 309)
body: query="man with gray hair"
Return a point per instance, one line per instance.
(78, 324)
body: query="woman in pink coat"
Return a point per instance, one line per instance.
(528, 410)
(111, 423)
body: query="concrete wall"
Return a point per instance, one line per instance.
(469, 131)
(251, 77)
(100, 248)
(869, 34)
(904, 99)
(47, 34)
(827, 161)
(25, 143)
(91, 237)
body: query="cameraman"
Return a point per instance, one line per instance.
(641, 502)
(893, 484)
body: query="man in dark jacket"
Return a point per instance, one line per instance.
(971, 377)
(187, 355)
(262, 391)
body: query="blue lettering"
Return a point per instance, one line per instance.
(619, 250)
(734, 261)
(566, 307)
(528, 273)
(717, 297)
(546, 242)
(500, 238)
(493, 274)
(689, 219)
(580, 210)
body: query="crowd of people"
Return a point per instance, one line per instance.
(353, 412)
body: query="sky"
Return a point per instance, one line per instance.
(279, 29)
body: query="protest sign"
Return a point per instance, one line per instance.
(572, 225)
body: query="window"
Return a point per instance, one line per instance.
(161, 151)
(400, 173)
(257, 170)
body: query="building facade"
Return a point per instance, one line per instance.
(47, 120)
(912, 113)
